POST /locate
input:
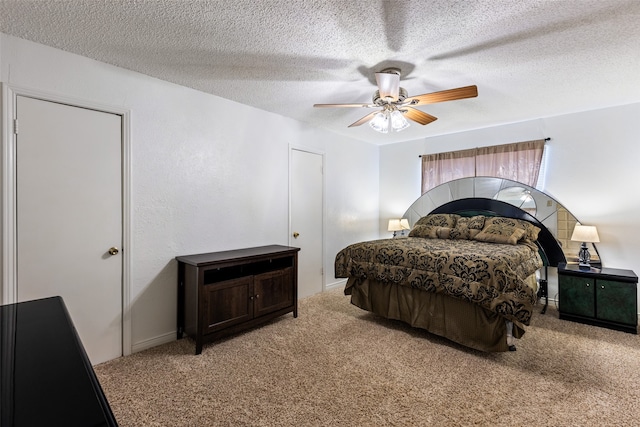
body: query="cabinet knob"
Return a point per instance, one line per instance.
(259, 295)
(587, 285)
(602, 286)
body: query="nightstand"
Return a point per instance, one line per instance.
(605, 297)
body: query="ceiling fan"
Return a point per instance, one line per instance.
(395, 103)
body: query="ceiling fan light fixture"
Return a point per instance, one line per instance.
(380, 122)
(398, 121)
(387, 120)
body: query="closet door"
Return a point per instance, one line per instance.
(307, 217)
(69, 216)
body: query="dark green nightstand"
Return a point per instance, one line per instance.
(604, 297)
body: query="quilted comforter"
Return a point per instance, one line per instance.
(491, 275)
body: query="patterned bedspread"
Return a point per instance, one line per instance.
(489, 274)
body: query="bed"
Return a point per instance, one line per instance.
(469, 271)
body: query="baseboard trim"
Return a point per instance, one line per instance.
(335, 285)
(153, 342)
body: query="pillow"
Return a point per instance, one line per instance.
(467, 227)
(444, 232)
(426, 231)
(531, 231)
(441, 220)
(498, 233)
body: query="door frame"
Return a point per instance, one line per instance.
(8, 225)
(296, 147)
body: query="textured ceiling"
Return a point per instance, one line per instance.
(528, 58)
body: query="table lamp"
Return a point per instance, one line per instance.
(400, 225)
(584, 234)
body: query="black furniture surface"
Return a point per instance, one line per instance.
(221, 293)
(46, 378)
(605, 297)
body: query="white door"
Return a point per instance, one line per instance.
(307, 185)
(69, 215)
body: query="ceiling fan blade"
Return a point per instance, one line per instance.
(418, 116)
(388, 85)
(363, 120)
(344, 105)
(445, 95)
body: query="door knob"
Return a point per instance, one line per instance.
(114, 251)
(295, 235)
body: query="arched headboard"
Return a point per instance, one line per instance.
(557, 219)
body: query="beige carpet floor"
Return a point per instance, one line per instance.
(336, 365)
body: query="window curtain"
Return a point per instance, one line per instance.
(519, 162)
(443, 167)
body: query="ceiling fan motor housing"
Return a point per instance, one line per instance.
(402, 95)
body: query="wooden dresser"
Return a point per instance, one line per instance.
(221, 293)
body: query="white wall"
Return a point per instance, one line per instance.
(208, 174)
(593, 170)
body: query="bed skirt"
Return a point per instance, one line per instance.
(460, 321)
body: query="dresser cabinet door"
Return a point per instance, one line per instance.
(273, 291)
(577, 296)
(614, 301)
(227, 303)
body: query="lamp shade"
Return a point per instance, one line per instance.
(380, 123)
(394, 225)
(585, 233)
(404, 224)
(398, 122)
